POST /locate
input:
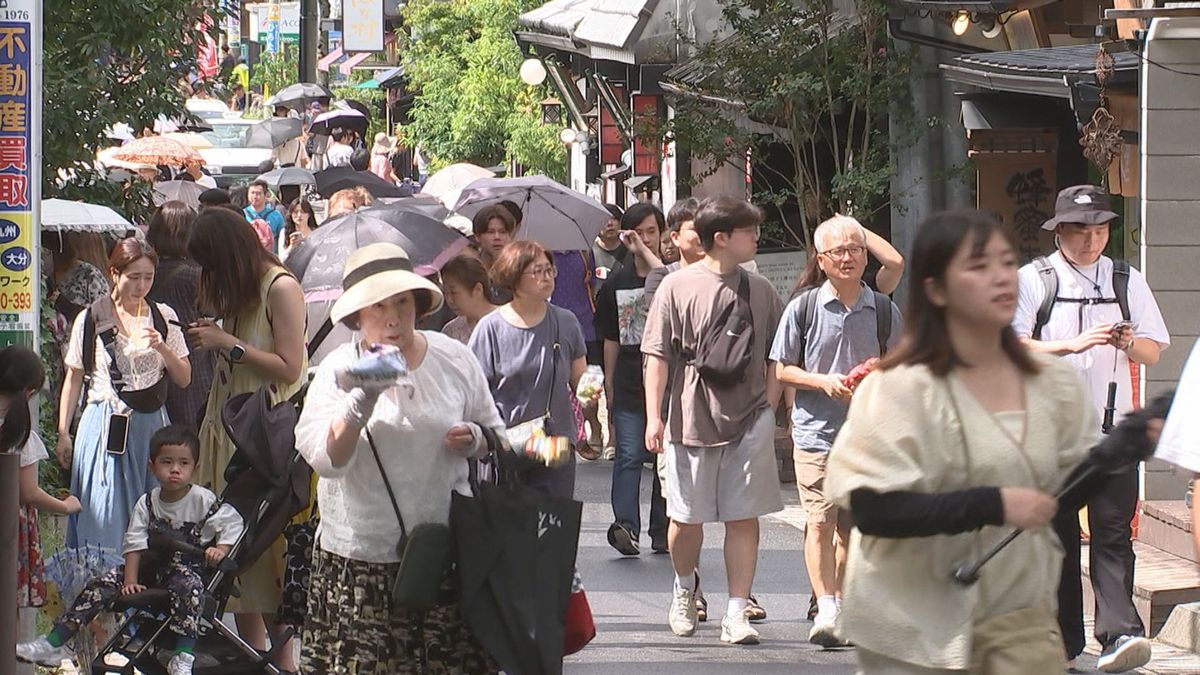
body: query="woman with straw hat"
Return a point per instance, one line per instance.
(387, 451)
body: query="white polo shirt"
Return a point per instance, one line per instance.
(1068, 319)
(1180, 441)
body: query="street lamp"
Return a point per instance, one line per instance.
(551, 111)
(962, 21)
(533, 72)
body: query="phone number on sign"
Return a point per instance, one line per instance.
(16, 301)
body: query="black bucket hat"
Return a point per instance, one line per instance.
(1083, 204)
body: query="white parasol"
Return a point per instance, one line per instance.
(61, 214)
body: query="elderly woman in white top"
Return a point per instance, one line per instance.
(425, 429)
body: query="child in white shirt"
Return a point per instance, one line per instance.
(177, 509)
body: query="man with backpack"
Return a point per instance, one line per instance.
(826, 332)
(711, 324)
(1099, 315)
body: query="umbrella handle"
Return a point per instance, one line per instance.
(967, 573)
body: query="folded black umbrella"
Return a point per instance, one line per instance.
(516, 561)
(330, 181)
(1124, 447)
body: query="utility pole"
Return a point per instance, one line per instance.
(310, 37)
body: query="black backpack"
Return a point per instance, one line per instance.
(1049, 279)
(145, 400)
(808, 310)
(724, 355)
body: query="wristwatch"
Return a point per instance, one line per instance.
(237, 353)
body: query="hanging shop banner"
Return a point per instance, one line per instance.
(362, 25)
(20, 151)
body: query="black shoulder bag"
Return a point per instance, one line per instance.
(724, 355)
(425, 555)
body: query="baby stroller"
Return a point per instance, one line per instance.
(268, 483)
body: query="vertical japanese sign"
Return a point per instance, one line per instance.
(362, 25)
(20, 160)
(273, 27)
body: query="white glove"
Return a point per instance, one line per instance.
(360, 404)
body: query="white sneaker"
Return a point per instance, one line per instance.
(824, 630)
(180, 664)
(682, 616)
(41, 652)
(736, 630)
(1125, 653)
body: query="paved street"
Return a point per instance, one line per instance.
(630, 596)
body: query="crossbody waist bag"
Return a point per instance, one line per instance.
(425, 555)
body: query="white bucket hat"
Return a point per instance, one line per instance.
(375, 273)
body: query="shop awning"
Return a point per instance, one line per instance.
(993, 110)
(349, 64)
(602, 29)
(329, 59)
(391, 78)
(1042, 72)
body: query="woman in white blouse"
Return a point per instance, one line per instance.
(425, 429)
(109, 455)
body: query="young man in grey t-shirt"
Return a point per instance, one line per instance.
(719, 438)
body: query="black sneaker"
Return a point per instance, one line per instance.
(1125, 653)
(701, 603)
(658, 542)
(622, 539)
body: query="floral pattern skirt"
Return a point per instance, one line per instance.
(352, 627)
(31, 574)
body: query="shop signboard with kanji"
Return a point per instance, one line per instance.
(19, 38)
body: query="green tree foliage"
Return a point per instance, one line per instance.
(275, 71)
(793, 75)
(109, 61)
(471, 105)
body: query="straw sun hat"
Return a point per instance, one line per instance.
(375, 273)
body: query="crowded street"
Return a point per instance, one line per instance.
(627, 599)
(532, 337)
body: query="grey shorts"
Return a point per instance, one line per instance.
(737, 481)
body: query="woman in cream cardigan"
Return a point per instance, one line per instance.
(960, 437)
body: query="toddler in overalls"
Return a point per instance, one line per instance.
(176, 509)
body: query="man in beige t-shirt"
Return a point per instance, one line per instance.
(719, 439)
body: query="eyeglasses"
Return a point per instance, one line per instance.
(844, 252)
(548, 272)
(756, 230)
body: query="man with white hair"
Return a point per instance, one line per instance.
(826, 331)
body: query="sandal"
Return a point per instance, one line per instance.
(586, 451)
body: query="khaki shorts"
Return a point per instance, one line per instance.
(810, 482)
(738, 481)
